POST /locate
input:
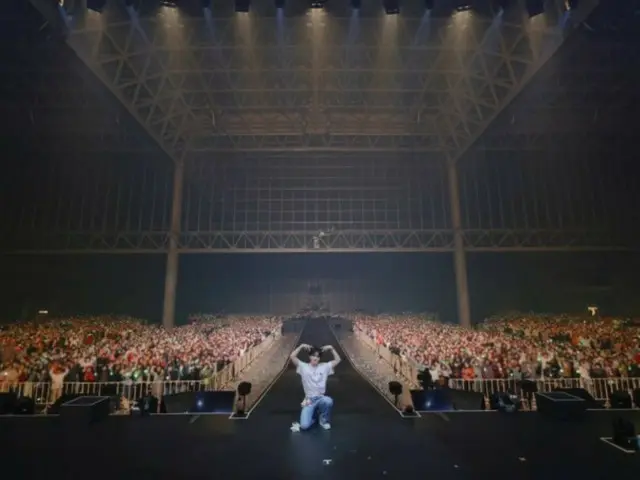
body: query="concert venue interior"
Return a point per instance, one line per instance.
(438, 186)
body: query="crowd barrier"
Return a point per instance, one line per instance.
(46, 393)
(600, 389)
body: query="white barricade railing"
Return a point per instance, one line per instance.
(46, 393)
(600, 389)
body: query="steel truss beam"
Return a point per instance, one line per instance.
(310, 242)
(333, 142)
(211, 86)
(492, 82)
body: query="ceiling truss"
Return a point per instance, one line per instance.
(206, 85)
(481, 240)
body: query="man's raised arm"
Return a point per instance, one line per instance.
(336, 358)
(294, 355)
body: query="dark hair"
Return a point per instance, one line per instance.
(315, 352)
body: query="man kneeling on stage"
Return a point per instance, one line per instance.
(314, 382)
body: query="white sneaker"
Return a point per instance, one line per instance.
(326, 426)
(295, 427)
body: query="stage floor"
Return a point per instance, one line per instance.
(369, 439)
(450, 446)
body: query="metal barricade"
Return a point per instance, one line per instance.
(600, 389)
(46, 393)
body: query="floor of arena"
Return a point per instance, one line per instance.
(369, 439)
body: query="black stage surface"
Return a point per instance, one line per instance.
(368, 440)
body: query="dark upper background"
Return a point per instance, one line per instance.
(590, 85)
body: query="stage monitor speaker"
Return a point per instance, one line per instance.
(67, 397)
(621, 399)
(25, 406)
(528, 386)
(624, 434)
(561, 405)
(463, 400)
(590, 402)
(200, 402)
(8, 403)
(432, 400)
(86, 410)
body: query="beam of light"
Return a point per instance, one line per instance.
(354, 27)
(317, 23)
(171, 23)
(388, 57)
(133, 15)
(67, 18)
(244, 36)
(538, 29)
(352, 36)
(424, 29)
(280, 26)
(492, 37)
(208, 18)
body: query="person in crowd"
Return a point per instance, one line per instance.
(510, 347)
(124, 349)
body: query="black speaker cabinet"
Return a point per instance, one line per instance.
(463, 400)
(86, 410)
(221, 402)
(561, 405)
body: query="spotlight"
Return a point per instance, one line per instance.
(279, 4)
(534, 7)
(395, 388)
(356, 4)
(571, 4)
(129, 3)
(244, 389)
(242, 6)
(391, 7)
(317, 3)
(429, 4)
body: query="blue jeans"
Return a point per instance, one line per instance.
(322, 405)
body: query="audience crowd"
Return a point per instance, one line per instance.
(113, 349)
(515, 346)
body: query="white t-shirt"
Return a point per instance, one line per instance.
(314, 379)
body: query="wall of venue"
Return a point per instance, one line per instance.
(280, 283)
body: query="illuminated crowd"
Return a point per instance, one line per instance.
(112, 349)
(512, 346)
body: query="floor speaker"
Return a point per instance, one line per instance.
(8, 402)
(432, 400)
(200, 402)
(85, 410)
(54, 409)
(590, 402)
(621, 399)
(464, 400)
(561, 405)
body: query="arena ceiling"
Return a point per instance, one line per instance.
(329, 80)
